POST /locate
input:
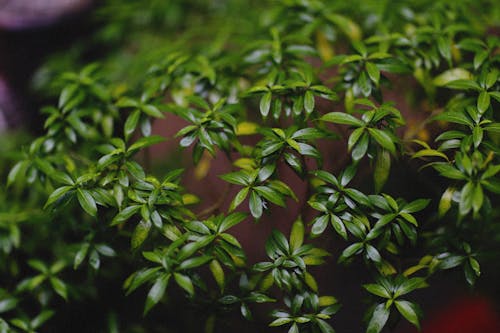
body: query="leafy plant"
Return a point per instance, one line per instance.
(329, 91)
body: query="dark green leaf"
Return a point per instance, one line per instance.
(156, 292)
(265, 103)
(324, 327)
(256, 205)
(383, 139)
(80, 255)
(59, 287)
(342, 118)
(131, 123)
(87, 201)
(57, 194)
(350, 251)
(409, 311)
(270, 195)
(483, 102)
(378, 290)
(194, 262)
(231, 220)
(378, 319)
(309, 102)
(382, 169)
(416, 206)
(140, 234)
(125, 214)
(373, 72)
(319, 225)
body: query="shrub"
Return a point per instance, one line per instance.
(359, 100)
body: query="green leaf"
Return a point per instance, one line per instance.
(67, 94)
(297, 235)
(477, 135)
(94, 260)
(361, 147)
(139, 278)
(80, 255)
(194, 262)
(279, 239)
(295, 163)
(156, 292)
(409, 311)
(495, 95)
(373, 72)
(479, 58)
(364, 84)
(127, 102)
(483, 102)
(338, 225)
(309, 102)
(416, 206)
(377, 289)
(125, 214)
(474, 264)
(190, 248)
(131, 123)
(87, 201)
(255, 205)
(450, 77)
(449, 171)
(342, 118)
(410, 285)
(218, 273)
(294, 328)
(477, 198)
(310, 281)
(270, 195)
(280, 321)
(145, 142)
(444, 47)
(238, 199)
(373, 253)
(319, 225)
(105, 250)
(7, 304)
(265, 103)
(152, 111)
(19, 169)
(445, 202)
(184, 282)
(19, 323)
(382, 169)
(59, 287)
(231, 220)
(238, 178)
(41, 318)
(57, 194)
(383, 139)
(378, 319)
(466, 198)
(429, 152)
(350, 251)
(324, 327)
(140, 234)
(454, 117)
(354, 137)
(346, 25)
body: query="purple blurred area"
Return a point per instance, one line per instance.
(29, 30)
(6, 105)
(29, 14)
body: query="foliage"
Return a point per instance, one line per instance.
(293, 76)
